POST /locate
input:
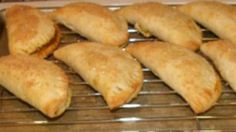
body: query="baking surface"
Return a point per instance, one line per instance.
(157, 106)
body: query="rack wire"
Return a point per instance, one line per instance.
(157, 106)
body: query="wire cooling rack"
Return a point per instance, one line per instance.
(157, 106)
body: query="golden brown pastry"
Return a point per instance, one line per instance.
(223, 54)
(37, 82)
(217, 17)
(94, 22)
(108, 69)
(30, 32)
(163, 22)
(183, 70)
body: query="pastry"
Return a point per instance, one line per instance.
(94, 22)
(218, 17)
(223, 54)
(30, 32)
(183, 70)
(164, 22)
(108, 69)
(37, 82)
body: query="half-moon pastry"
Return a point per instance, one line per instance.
(37, 82)
(108, 69)
(164, 22)
(223, 54)
(30, 32)
(94, 22)
(218, 17)
(183, 70)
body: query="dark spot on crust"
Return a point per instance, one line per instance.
(119, 88)
(208, 93)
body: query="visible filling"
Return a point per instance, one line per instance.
(46, 49)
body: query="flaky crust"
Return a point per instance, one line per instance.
(223, 54)
(152, 18)
(94, 22)
(28, 29)
(218, 17)
(37, 82)
(183, 70)
(109, 70)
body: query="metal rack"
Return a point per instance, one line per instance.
(157, 106)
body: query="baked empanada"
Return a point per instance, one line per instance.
(183, 70)
(37, 82)
(163, 22)
(94, 22)
(218, 17)
(30, 31)
(223, 54)
(108, 69)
